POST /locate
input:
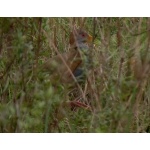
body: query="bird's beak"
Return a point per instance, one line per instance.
(89, 39)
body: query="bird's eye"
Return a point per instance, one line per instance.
(83, 35)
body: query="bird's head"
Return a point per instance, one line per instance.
(83, 37)
(80, 37)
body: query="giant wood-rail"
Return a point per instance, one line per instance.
(64, 66)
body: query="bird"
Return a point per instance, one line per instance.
(68, 66)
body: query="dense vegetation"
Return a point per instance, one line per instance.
(118, 85)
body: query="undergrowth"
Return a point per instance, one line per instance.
(117, 87)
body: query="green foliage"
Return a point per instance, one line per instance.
(118, 88)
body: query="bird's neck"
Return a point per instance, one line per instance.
(80, 46)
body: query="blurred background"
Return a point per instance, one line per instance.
(118, 85)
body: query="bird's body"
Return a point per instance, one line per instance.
(64, 66)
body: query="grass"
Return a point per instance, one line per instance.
(117, 88)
